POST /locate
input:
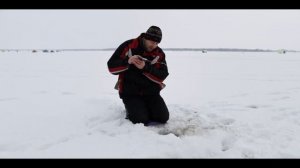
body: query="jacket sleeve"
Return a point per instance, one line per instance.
(118, 62)
(157, 72)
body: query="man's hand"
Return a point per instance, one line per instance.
(139, 64)
(132, 58)
(135, 60)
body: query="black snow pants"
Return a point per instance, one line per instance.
(146, 108)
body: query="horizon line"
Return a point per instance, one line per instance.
(166, 49)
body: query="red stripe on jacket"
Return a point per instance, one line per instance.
(133, 44)
(117, 69)
(152, 77)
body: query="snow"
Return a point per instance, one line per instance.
(222, 105)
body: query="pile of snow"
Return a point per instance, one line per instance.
(222, 105)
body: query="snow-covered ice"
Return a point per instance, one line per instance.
(222, 105)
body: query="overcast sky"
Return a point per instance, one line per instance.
(264, 29)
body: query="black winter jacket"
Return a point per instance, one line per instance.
(134, 81)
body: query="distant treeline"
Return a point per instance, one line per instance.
(218, 49)
(204, 50)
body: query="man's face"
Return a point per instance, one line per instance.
(150, 45)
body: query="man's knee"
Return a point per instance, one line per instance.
(164, 117)
(159, 110)
(138, 118)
